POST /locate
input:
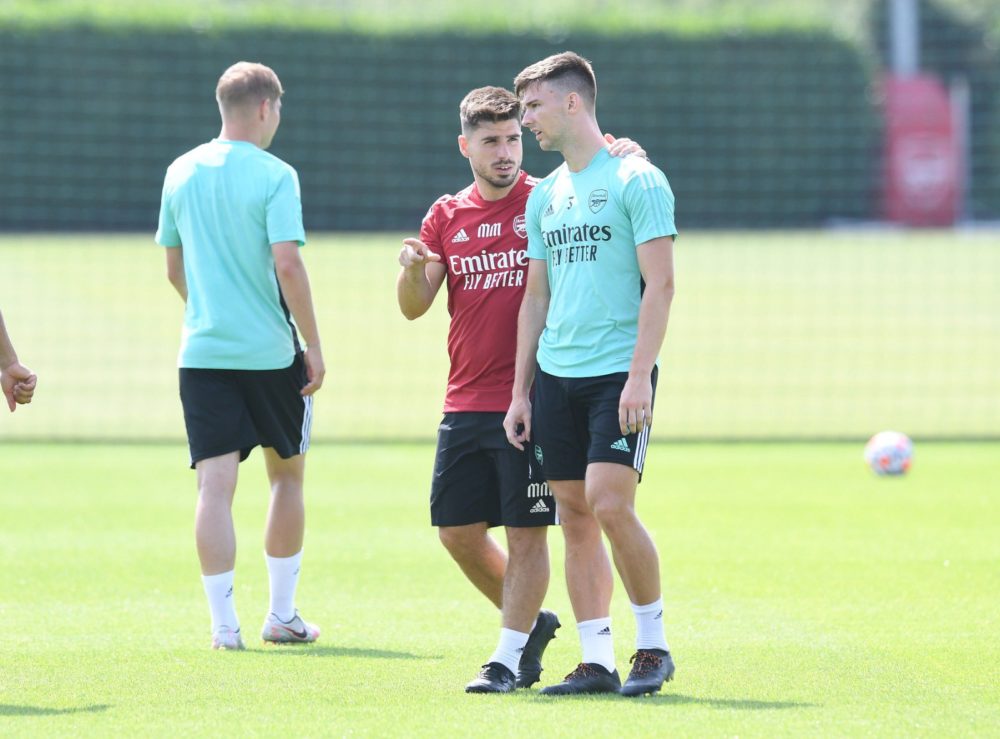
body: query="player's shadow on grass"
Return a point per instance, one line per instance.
(744, 704)
(736, 703)
(678, 699)
(333, 651)
(9, 710)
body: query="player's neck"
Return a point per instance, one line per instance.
(580, 148)
(235, 132)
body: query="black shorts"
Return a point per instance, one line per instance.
(235, 410)
(574, 422)
(480, 477)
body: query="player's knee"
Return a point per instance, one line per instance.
(286, 486)
(612, 512)
(579, 526)
(459, 540)
(572, 507)
(529, 543)
(215, 493)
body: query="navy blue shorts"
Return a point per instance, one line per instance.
(574, 422)
(479, 477)
(235, 410)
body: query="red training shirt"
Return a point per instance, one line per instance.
(483, 246)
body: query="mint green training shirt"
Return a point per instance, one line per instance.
(226, 202)
(586, 225)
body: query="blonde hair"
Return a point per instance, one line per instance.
(247, 82)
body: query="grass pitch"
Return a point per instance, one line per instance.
(821, 335)
(804, 597)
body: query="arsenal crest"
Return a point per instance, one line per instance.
(597, 200)
(519, 227)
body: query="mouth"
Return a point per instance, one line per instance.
(505, 168)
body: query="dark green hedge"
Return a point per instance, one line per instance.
(753, 131)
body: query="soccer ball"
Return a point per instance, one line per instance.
(889, 453)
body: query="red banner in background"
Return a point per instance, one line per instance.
(922, 185)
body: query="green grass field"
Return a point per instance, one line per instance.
(805, 598)
(822, 335)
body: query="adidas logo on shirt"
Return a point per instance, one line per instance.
(539, 507)
(550, 211)
(460, 236)
(621, 445)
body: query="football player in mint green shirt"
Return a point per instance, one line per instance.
(599, 287)
(231, 222)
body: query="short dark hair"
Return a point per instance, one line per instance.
(493, 104)
(568, 69)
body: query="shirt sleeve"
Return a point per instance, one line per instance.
(649, 202)
(166, 232)
(536, 245)
(284, 210)
(430, 234)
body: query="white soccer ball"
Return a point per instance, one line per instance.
(889, 453)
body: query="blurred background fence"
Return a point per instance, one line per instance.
(768, 115)
(773, 129)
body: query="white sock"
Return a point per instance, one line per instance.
(509, 648)
(283, 574)
(221, 602)
(649, 626)
(598, 646)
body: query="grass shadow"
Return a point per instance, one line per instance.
(10, 710)
(739, 704)
(302, 650)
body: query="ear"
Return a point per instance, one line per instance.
(573, 102)
(263, 109)
(463, 145)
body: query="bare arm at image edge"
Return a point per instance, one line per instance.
(18, 382)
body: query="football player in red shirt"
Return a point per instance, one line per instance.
(476, 240)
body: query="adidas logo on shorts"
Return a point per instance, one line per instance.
(539, 507)
(621, 445)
